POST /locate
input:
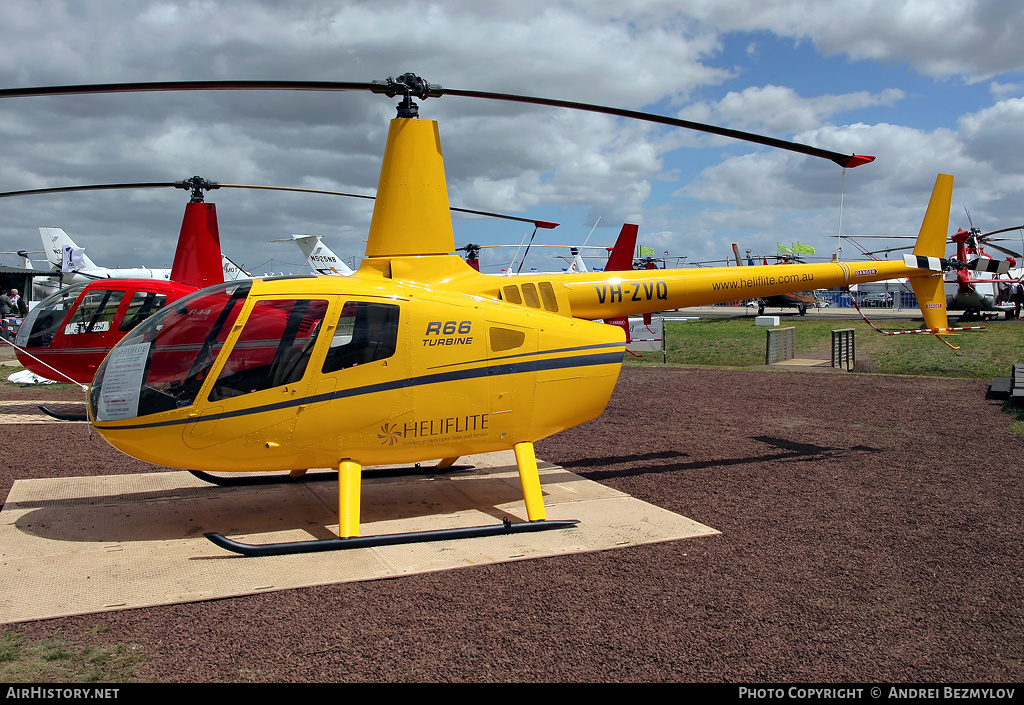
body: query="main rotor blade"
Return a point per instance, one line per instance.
(432, 90)
(544, 224)
(299, 190)
(843, 160)
(158, 86)
(93, 187)
(1004, 230)
(1004, 250)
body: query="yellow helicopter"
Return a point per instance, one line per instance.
(416, 356)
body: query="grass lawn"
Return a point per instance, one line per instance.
(737, 342)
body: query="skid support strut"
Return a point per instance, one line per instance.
(529, 478)
(349, 486)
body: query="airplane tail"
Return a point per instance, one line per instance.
(26, 263)
(931, 245)
(578, 265)
(320, 257)
(232, 271)
(59, 246)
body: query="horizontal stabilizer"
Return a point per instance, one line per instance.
(936, 264)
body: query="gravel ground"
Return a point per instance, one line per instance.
(872, 532)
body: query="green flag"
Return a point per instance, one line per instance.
(642, 251)
(782, 249)
(802, 249)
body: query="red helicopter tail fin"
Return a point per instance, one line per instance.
(197, 260)
(621, 257)
(620, 260)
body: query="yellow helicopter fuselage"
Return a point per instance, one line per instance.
(460, 374)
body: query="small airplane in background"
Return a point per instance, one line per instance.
(65, 256)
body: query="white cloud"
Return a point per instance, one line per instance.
(780, 110)
(969, 39)
(994, 135)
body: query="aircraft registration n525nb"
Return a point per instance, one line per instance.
(416, 356)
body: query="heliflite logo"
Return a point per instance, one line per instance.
(866, 272)
(390, 434)
(432, 430)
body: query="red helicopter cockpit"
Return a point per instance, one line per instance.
(69, 333)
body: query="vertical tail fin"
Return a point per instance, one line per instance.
(197, 258)
(232, 271)
(621, 260)
(931, 242)
(54, 242)
(621, 257)
(578, 265)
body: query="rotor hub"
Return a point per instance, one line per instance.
(197, 185)
(409, 86)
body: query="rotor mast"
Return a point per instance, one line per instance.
(411, 215)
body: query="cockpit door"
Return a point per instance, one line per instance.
(258, 381)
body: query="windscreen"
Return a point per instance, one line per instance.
(44, 321)
(162, 363)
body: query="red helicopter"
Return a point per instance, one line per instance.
(966, 290)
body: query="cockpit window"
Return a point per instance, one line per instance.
(44, 321)
(95, 313)
(273, 348)
(162, 364)
(143, 305)
(366, 331)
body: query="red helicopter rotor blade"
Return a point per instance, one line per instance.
(544, 224)
(1004, 230)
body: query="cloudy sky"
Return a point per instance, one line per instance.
(926, 87)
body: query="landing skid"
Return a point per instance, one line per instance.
(63, 417)
(279, 479)
(350, 477)
(293, 547)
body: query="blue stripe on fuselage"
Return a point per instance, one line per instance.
(510, 368)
